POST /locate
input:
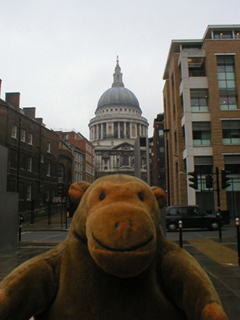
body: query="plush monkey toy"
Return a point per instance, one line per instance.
(114, 264)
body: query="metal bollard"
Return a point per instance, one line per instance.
(219, 225)
(20, 221)
(180, 233)
(238, 240)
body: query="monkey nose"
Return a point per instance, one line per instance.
(122, 226)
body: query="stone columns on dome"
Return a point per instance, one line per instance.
(97, 132)
(101, 131)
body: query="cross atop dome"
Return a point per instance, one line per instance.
(117, 76)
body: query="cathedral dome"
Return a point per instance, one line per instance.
(118, 95)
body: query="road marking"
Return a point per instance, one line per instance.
(216, 251)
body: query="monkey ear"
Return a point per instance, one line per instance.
(77, 190)
(160, 196)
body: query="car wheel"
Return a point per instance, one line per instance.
(172, 227)
(214, 226)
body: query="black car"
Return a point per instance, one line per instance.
(191, 217)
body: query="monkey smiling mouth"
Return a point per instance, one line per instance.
(141, 245)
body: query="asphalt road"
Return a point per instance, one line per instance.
(58, 236)
(44, 236)
(188, 234)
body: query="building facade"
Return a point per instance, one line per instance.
(202, 118)
(83, 167)
(158, 153)
(33, 154)
(117, 123)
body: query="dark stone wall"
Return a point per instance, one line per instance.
(8, 209)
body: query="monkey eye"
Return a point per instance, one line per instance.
(140, 196)
(102, 196)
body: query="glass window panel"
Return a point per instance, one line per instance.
(196, 135)
(224, 107)
(223, 100)
(197, 142)
(231, 84)
(221, 76)
(206, 142)
(226, 141)
(235, 140)
(230, 76)
(195, 109)
(232, 100)
(229, 68)
(204, 108)
(235, 133)
(205, 135)
(222, 84)
(203, 102)
(228, 59)
(232, 107)
(220, 68)
(194, 102)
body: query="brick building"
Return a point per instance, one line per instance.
(83, 168)
(158, 173)
(33, 152)
(202, 117)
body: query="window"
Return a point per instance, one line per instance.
(49, 147)
(125, 160)
(30, 164)
(204, 168)
(14, 131)
(23, 135)
(199, 100)
(30, 138)
(237, 34)
(12, 158)
(21, 191)
(225, 69)
(228, 101)
(42, 158)
(48, 169)
(231, 131)
(160, 133)
(196, 67)
(29, 192)
(201, 133)
(176, 141)
(22, 164)
(223, 35)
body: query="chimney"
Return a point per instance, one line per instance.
(13, 98)
(30, 112)
(39, 120)
(0, 87)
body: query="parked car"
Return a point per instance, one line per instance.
(191, 217)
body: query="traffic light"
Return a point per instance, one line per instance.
(193, 185)
(225, 179)
(209, 181)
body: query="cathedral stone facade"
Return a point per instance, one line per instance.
(117, 123)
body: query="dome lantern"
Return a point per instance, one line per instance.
(118, 95)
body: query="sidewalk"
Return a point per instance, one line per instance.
(225, 277)
(218, 259)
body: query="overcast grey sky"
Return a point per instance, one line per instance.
(61, 54)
